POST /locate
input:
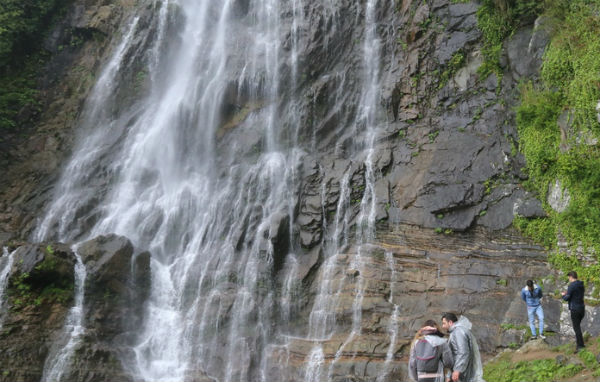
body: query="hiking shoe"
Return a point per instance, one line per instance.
(542, 336)
(533, 338)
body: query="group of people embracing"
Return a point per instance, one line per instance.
(431, 353)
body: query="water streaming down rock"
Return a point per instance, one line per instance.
(393, 322)
(6, 262)
(76, 190)
(218, 215)
(366, 120)
(59, 361)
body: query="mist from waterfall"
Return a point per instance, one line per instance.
(212, 215)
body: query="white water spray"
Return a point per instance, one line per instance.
(6, 263)
(211, 214)
(57, 364)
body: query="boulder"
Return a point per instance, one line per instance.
(38, 297)
(117, 285)
(558, 196)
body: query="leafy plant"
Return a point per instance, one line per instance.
(570, 88)
(588, 358)
(498, 19)
(544, 370)
(21, 25)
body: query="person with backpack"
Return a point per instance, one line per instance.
(532, 295)
(429, 354)
(467, 365)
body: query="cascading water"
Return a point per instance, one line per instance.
(6, 263)
(393, 324)
(218, 218)
(327, 300)
(58, 363)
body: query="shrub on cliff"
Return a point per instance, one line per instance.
(22, 22)
(559, 132)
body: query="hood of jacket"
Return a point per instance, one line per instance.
(463, 322)
(435, 340)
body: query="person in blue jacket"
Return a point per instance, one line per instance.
(574, 295)
(532, 294)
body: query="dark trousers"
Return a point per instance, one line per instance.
(576, 317)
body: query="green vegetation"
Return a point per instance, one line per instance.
(433, 135)
(540, 370)
(22, 289)
(588, 358)
(513, 326)
(42, 284)
(569, 88)
(456, 62)
(22, 25)
(497, 20)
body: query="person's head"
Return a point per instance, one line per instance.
(432, 328)
(428, 327)
(572, 276)
(530, 285)
(431, 324)
(448, 319)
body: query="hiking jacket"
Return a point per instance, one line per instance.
(575, 295)
(444, 355)
(532, 299)
(465, 351)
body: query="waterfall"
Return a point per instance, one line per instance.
(73, 192)
(58, 363)
(218, 216)
(6, 263)
(393, 323)
(366, 119)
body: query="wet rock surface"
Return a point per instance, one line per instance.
(444, 161)
(40, 294)
(478, 274)
(117, 285)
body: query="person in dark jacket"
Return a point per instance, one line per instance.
(574, 295)
(532, 294)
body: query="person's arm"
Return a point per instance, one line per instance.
(541, 294)
(412, 365)
(567, 296)
(447, 357)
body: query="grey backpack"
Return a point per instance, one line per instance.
(426, 356)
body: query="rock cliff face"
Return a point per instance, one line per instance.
(41, 288)
(443, 172)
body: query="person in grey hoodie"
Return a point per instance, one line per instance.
(574, 295)
(467, 360)
(429, 354)
(532, 294)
